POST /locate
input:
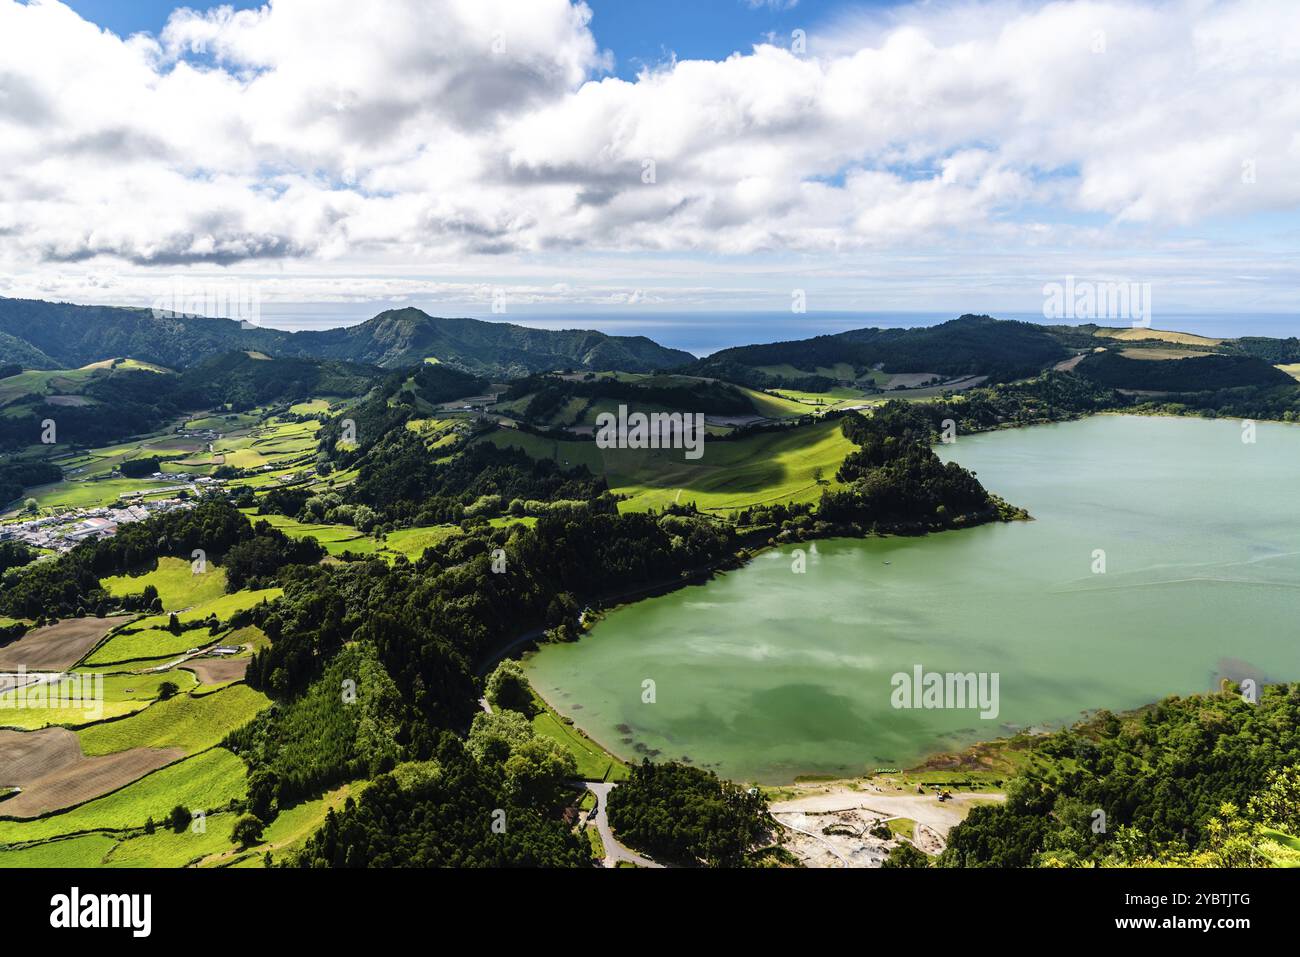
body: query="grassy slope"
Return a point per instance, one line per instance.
(594, 762)
(177, 585)
(191, 722)
(769, 467)
(123, 694)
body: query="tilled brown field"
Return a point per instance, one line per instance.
(213, 671)
(53, 773)
(57, 647)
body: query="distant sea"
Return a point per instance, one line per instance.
(703, 333)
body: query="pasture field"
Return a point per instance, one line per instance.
(146, 644)
(335, 539)
(760, 469)
(134, 666)
(412, 542)
(88, 850)
(123, 694)
(830, 397)
(90, 493)
(1160, 352)
(168, 848)
(1135, 333)
(178, 586)
(774, 406)
(1291, 369)
(222, 607)
(311, 407)
(242, 458)
(225, 422)
(41, 382)
(190, 722)
(207, 780)
(594, 762)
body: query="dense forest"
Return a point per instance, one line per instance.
(1197, 373)
(969, 345)
(686, 815)
(1188, 781)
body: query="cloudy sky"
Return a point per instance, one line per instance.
(653, 154)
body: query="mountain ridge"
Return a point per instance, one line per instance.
(65, 335)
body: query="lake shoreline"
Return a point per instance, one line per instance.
(1175, 684)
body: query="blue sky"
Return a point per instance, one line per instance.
(957, 155)
(638, 32)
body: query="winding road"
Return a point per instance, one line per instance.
(614, 851)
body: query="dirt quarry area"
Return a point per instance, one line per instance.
(52, 772)
(59, 646)
(843, 825)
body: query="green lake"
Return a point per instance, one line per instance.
(764, 673)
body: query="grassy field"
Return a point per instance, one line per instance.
(168, 848)
(145, 645)
(123, 694)
(1136, 333)
(903, 827)
(177, 585)
(90, 494)
(774, 406)
(594, 762)
(44, 382)
(209, 846)
(335, 539)
(191, 722)
(187, 722)
(222, 607)
(85, 851)
(311, 407)
(1292, 369)
(205, 781)
(768, 467)
(412, 542)
(1158, 353)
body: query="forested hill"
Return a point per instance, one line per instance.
(49, 335)
(407, 336)
(970, 345)
(69, 337)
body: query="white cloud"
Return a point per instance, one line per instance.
(485, 137)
